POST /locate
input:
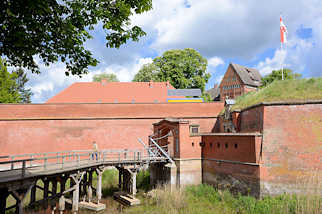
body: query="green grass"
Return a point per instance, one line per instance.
(204, 199)
(286, 90)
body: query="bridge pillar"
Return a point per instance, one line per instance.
(53, 192)
(77, 178)
(90, 190)
(61, 204)
(33, 195)
(20, 195)
(99, 185)
(161, 173)
(4, 193)
(46, 188)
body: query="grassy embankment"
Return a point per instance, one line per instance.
(283, 91)
(204, 199)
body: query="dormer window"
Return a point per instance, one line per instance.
(194, 129)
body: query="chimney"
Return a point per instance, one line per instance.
(103, 81)
(150, 83)
(168, 84)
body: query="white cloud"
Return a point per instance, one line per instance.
(215, 61)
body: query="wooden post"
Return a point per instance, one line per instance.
(84, 191)
(120, 178)
(90, 182)
(76, 180)
(61, 204)
(76, 197)
(3, 200)
(20, 195)
(46, 188)
(99, 185)
(33, 194)
(133, 182)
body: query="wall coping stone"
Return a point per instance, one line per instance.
(228, 134)
(307, 102)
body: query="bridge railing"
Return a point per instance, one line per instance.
(69, 159)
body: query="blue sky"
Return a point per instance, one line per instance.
(245, 32)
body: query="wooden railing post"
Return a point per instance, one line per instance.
(23, 168)
(12, 164)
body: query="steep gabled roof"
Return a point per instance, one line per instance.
(113, 92)
(214, 92)
(249, 76)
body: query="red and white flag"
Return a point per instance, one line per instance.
(283, 31)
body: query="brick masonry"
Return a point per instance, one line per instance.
(292, 148)
(32, 128)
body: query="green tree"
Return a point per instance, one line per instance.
(21, 80)
(57, 29)
(277, 75)
(108, 77)
(9, 92)
(183, 68)
(148, 72)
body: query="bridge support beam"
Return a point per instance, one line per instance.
(127, 179)
(77, 178)
(161, 173)
(20, 195)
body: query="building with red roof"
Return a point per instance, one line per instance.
(114, 92)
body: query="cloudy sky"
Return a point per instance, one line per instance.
(245, 32)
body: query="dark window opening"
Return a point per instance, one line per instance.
(226, 145)
(210, 144)
(236, 145)
(193, 144)
(218, 145)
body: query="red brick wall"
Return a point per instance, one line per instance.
(251, 120)
(291, 147)
(247, 147)
(239, 178)
(228, 81)
(189, 145)
(34, 128)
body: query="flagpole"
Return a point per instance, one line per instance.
(282, 60)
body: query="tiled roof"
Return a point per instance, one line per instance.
(249, 76)
(113, 92)
(214, 92)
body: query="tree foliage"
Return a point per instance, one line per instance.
(57, 29)
(277, 75)
(148, 72)
(107, 77)
(12, 85)
(9, 92)
(21, 80)
(183, 68)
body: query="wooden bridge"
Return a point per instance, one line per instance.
(70, 173)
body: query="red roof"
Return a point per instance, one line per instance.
(113, 92)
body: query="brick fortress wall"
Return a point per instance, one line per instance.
(32, 128)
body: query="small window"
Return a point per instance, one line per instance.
(226, 145)
(236, 146)
(211, 145)
(133, 100)
(218, 145)
(193, 144)
(194, 129)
